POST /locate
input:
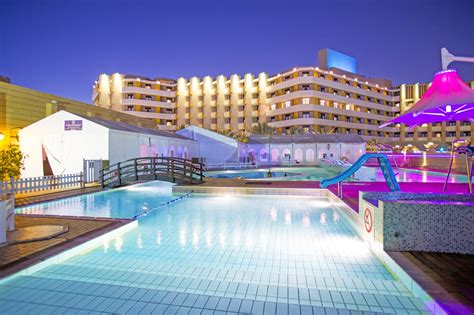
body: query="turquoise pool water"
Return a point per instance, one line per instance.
(220, 254)
(320, 173)
(118, 203)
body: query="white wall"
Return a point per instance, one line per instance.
(65, 149)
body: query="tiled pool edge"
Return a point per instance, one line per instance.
(389, 263)
(353, 219)
(77, 250)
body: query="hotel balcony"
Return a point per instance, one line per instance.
(330, 84)
(328, 96)
(146, 91)
(326, 110)
(149, 103)
(152, 115)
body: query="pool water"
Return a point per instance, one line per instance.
(320, 173)
(118, 203)
(205, 254)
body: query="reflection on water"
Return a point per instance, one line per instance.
(119, 203)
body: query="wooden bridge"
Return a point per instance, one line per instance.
(171, 169)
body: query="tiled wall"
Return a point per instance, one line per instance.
(422, 222)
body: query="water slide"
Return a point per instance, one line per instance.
(384, 166)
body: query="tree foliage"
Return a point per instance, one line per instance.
(263, 129)
(11, 162)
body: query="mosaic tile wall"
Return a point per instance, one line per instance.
(424, 222)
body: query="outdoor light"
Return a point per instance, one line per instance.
(2, 136)
(448, 108)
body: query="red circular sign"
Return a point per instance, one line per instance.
(368, 221)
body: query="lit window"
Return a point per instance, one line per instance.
(306, 101)
(273, 107)
(287, 104)
(322, 102)
(336, 104)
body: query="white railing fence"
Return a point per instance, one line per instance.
(33, 184)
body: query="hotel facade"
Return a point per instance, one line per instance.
(329, 98)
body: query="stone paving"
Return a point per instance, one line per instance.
(15, 257)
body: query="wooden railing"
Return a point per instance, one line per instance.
(170, 169)
(43, 183)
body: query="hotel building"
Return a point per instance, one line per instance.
(20, 107)
(331, 96)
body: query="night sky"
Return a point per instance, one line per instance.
(62, 46)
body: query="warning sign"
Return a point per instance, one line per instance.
(368, 220)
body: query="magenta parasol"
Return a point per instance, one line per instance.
(447, 99)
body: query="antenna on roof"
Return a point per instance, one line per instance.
(447, 58)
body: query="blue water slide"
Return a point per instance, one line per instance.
(384, 166)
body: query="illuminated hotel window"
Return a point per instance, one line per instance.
(335, 93)
(287, 91)
(148, 86)
(273, 107)
(335, 117)
(305, 101)
(322, 102)
(287, 104)
(336, 104)
(305, 74)
(305, 128)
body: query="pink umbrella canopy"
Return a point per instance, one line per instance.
(447, 99)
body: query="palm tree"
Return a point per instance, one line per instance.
(294, 130)
(325, 130)
(263, 129)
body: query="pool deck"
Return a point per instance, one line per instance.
(76, 230)
(448, 278)
(37, 197)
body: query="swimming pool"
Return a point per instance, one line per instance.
(125, 202)
(320, 173)
(246, 254)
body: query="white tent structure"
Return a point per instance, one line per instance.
(305, 149)
(58, 144)
(214, 148)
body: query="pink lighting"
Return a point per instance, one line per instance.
(447, 99)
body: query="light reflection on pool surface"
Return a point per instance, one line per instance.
(118, 203)
(240, 254)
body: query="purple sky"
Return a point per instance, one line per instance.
(62, 46)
